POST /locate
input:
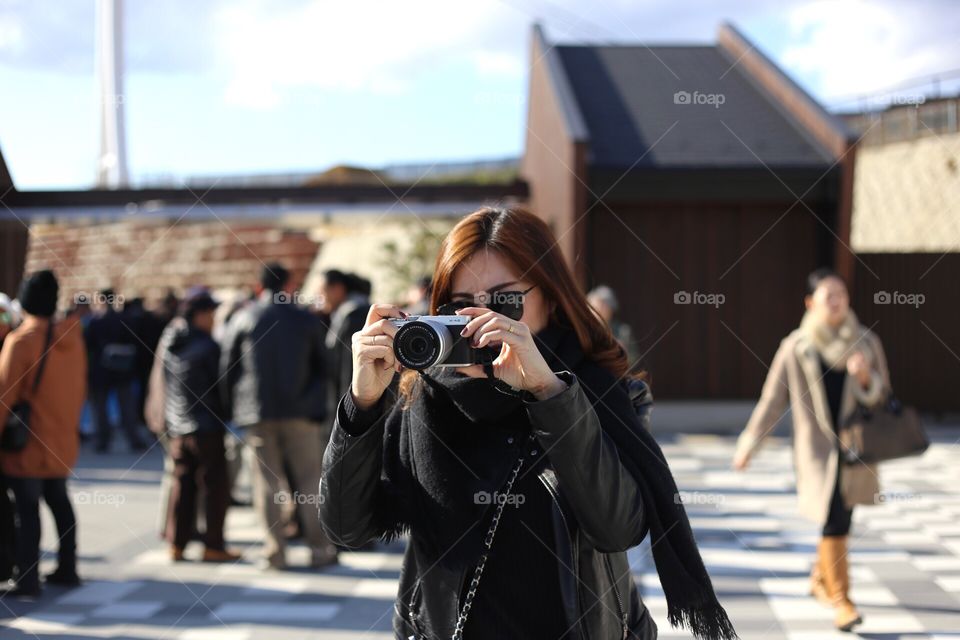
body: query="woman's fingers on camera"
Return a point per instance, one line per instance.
(374, 352)
(375, 339)
(380, 327)
(498, 329)
(479, 315)
(381, 311)
(495, 335)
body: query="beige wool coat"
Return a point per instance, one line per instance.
(795, 381)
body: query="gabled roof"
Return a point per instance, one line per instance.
(717, 111)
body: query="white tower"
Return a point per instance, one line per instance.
(112, 163)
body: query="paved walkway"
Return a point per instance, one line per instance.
(906, 560)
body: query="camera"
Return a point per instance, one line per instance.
(435, 341)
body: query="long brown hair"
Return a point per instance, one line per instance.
(527, 243)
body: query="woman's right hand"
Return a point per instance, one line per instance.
(373, 361)
(740, 461)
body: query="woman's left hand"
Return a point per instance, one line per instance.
(858, 367)
(520, 363)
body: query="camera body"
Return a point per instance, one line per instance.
(435, 341)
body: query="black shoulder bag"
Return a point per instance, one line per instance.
(17, 430)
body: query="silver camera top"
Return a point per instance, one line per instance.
(445, 320)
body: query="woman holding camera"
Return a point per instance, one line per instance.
(822, 371)
(523, 482)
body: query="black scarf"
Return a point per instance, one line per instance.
(487, 404)
(456, 430)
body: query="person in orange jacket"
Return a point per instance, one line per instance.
(41, 467)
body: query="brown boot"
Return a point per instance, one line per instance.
(220, 555)
(818, 589)
(176, 553)
(836, 577)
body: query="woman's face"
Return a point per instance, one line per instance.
(830, 301)
(485, 272)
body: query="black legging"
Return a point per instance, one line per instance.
(27, 493)
(839, 517)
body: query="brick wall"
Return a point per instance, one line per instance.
(146, 258)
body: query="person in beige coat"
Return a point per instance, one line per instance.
(822, 371)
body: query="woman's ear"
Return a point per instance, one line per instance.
(808, 301)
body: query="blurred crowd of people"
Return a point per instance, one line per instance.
(222, 386)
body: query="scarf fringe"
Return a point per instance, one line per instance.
(395, 532)
(705, 623)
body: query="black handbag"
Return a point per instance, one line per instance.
(886, 432)
(17, 430)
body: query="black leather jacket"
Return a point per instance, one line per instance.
(597, 515)
(273, 364)
(190, 371)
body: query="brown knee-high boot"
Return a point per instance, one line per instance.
(818, 588)
(836, 576)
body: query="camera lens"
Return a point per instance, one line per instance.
(421, 344)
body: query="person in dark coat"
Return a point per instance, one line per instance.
(147, 327)
(112, 349)
(273, 382)
(346, 297)
(521, 482)
(194, 419)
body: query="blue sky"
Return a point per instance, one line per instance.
(269, 86)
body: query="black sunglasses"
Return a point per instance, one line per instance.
(506, 303)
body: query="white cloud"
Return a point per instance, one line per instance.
(855, 47)
(11, 34)
(272, 49)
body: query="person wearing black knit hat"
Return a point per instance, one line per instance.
(38, 294)
(43, 364)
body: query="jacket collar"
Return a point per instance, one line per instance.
(809, 359)
(30, 320)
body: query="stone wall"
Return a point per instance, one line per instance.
(144, 258)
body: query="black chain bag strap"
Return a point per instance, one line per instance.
(502, 499)
(16, 432)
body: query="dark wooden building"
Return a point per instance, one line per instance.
(699, 182)
(13, 237)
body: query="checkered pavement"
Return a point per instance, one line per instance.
(905, 564)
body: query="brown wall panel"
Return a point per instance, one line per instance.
(921, 336)
(741, 252)
(13, 252)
